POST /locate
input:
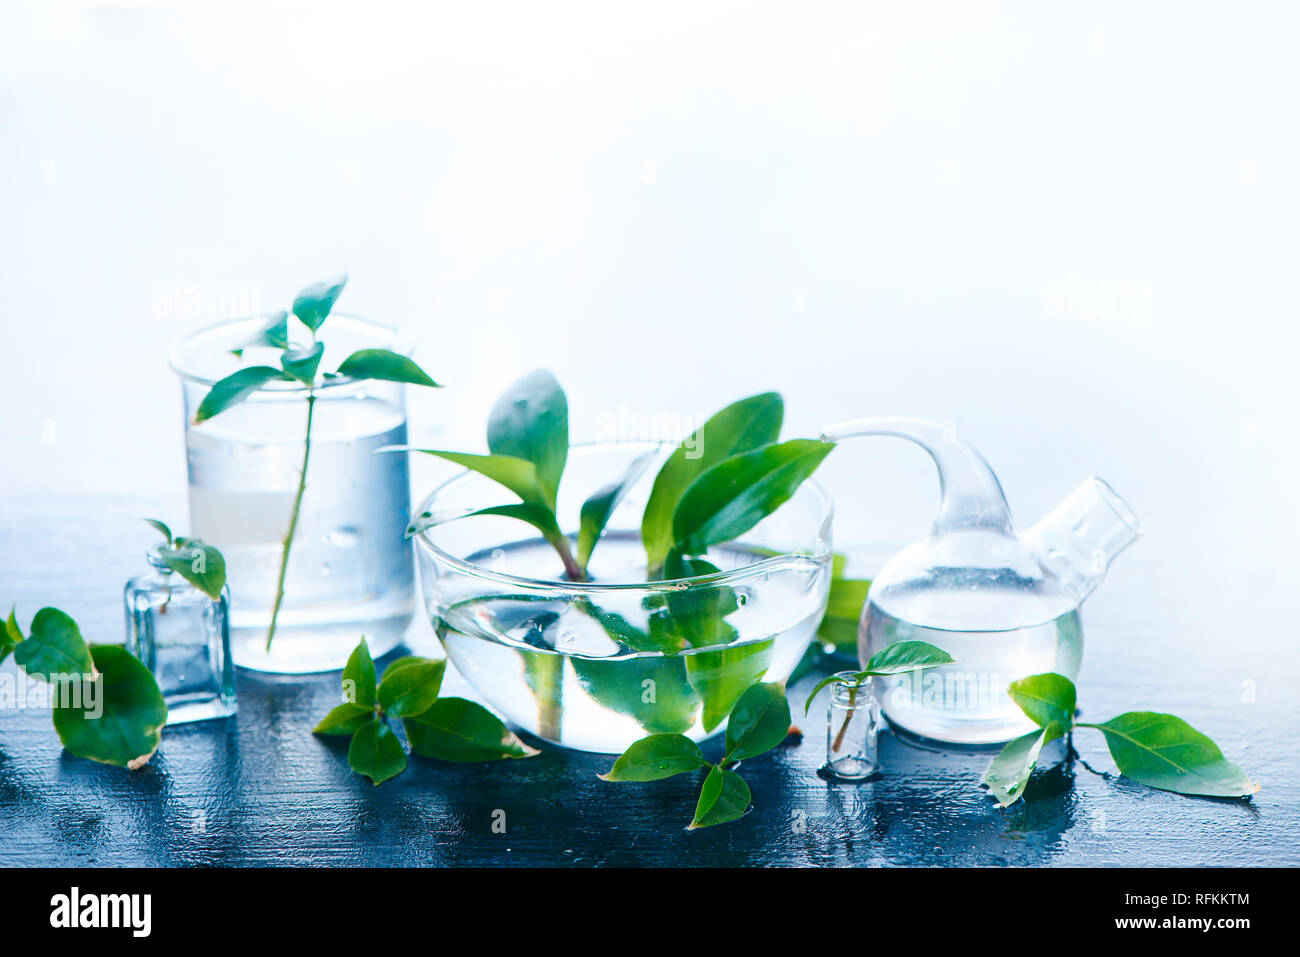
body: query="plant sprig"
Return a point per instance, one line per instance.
(106, 704)
(449, 729)
(716, 485)
(300, 362)
(1158, 750)
(200, 564)
(758, 723)
(896, 659)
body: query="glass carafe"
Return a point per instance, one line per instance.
(1004, 605)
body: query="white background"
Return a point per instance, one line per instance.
(1069, 229)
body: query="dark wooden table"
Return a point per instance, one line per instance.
(261, 789)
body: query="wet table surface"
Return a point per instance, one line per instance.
(260, 789)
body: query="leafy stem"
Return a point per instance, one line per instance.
(449, 729)
(293, 521)
(1159, 750)
(759, 721)
(311, 307)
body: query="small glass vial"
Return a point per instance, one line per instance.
(852, 724)
(183, 637)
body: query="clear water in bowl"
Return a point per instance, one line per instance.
(576, 673)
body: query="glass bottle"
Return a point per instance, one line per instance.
(852, 725)
(183, 637)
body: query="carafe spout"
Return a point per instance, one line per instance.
(970, 495)
(1079, 538)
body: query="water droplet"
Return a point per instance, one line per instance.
(345, 536)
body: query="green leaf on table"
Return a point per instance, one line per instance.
(160, 527)
(724, 797)
(1163, 751)
(235, 388)
(345, 719)
(733, 496)
(759, 722)
(11, 635)
(1009, 772)
(600, 505)
(376, 752)
(1046, 698)
(386, 365)
(741, 427)
(54, 646)
(839, 626)
(657, 757)
(531, 421)
(312, 306)
(302, 364)
(410, 686)
(898, 658)
(118, 722)
(203, 566)
(516, 474)
(273, 335)
(359, 677)
(458, 730)
(720, 676)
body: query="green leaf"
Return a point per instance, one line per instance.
(160, 527)
(359, 677)
(1009, 772)
(11, 635)
(203, 566)
(302, 364)
(839, 626)
(314, 303)
(531, 422)
(694, 616)
(597, 509)
(759, 722)
(124, 725)
(411, 686)
(235, 388)
(273, 335)
(458, 730)
(741, 427)
(376, 752)
(1046, 698)
(345, 719)
(651, 690)
(655, 758)
(518, 475)
(1163, 751)
(384, 364)
(721, 676)
(54, 646)
(736, 494)
(905, 656)
(538, 516)
(898, 658)
(724, 797)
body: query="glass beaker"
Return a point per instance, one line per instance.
(350, 570)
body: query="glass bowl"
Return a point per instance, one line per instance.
(597, 665)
